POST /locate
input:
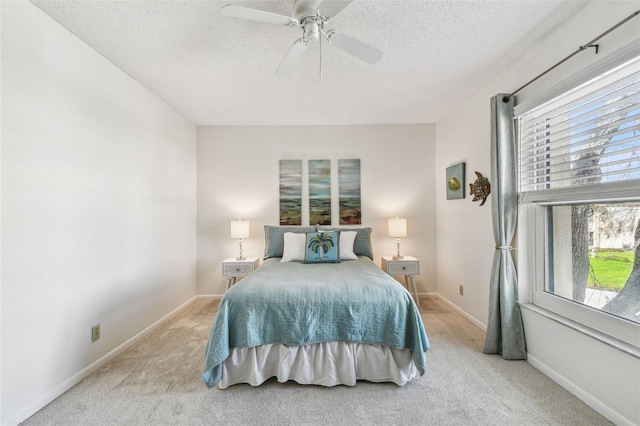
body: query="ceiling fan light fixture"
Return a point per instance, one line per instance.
(311, 30)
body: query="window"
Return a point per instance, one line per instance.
(579, 190)
(591, 256)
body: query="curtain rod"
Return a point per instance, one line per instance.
(580, 49)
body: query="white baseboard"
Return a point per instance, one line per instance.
(208, 297)
(58, 390)
(471, 319)
(579, 392)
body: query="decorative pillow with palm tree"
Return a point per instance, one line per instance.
(362, 243)
(322, 247)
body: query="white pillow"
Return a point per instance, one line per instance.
(294, 247)
(346, 245)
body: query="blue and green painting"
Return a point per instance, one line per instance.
(319, 192)
(349, 192)
(290, 192)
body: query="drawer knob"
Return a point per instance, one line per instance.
(237, 269)
(404, 267)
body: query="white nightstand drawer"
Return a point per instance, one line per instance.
(406, 265)
(402, 268)
(239, 268)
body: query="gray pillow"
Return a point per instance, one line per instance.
(274, 238)
(362, 244)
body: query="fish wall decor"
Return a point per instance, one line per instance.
(480, 189)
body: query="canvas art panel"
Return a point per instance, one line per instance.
(349, 192)
(455, 181)
(319, 192)
(290, 192)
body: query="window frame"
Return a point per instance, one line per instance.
(533, 252)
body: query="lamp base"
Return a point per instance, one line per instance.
(397, 257)
(241, 257)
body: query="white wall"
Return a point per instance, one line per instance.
(465, 240)
(605, 378)
(464, 233)
(238, 177)
(98, 209)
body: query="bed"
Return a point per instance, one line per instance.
(326, 323)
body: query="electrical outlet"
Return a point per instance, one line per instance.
(461, 290)
(95, 332)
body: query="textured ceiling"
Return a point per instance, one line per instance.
(220, 71)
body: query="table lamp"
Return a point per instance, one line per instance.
(240, 230)
(397, 229)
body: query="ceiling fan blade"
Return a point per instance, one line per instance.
(352, 46)
(291, 60)
(330, 8)
(258, 15)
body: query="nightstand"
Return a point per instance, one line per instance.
(233, 268)
(407, 266)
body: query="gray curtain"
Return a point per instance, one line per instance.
(505, 333)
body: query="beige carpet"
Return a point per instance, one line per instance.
(159, 382)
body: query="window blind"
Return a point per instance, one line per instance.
(585, 137)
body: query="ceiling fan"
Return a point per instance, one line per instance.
(311, 16)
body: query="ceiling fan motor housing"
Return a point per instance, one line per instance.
(303, 9)
(306, 12)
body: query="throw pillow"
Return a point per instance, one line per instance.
(362, 244)
(294, 247)
(322, 247)
(347, 239)
(274, 238)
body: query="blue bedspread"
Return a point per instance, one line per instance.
(299, 304)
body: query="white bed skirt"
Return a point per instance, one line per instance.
(326, 364)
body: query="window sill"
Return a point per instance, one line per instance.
(581, 328)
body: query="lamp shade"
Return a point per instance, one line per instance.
(398, 227)
(239, 229)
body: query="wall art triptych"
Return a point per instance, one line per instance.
(319, 201)
(319, 192)
(290, 192)
(349, 192)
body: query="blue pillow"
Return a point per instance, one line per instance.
(322, 247)
(274, 238)
(362, 243)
